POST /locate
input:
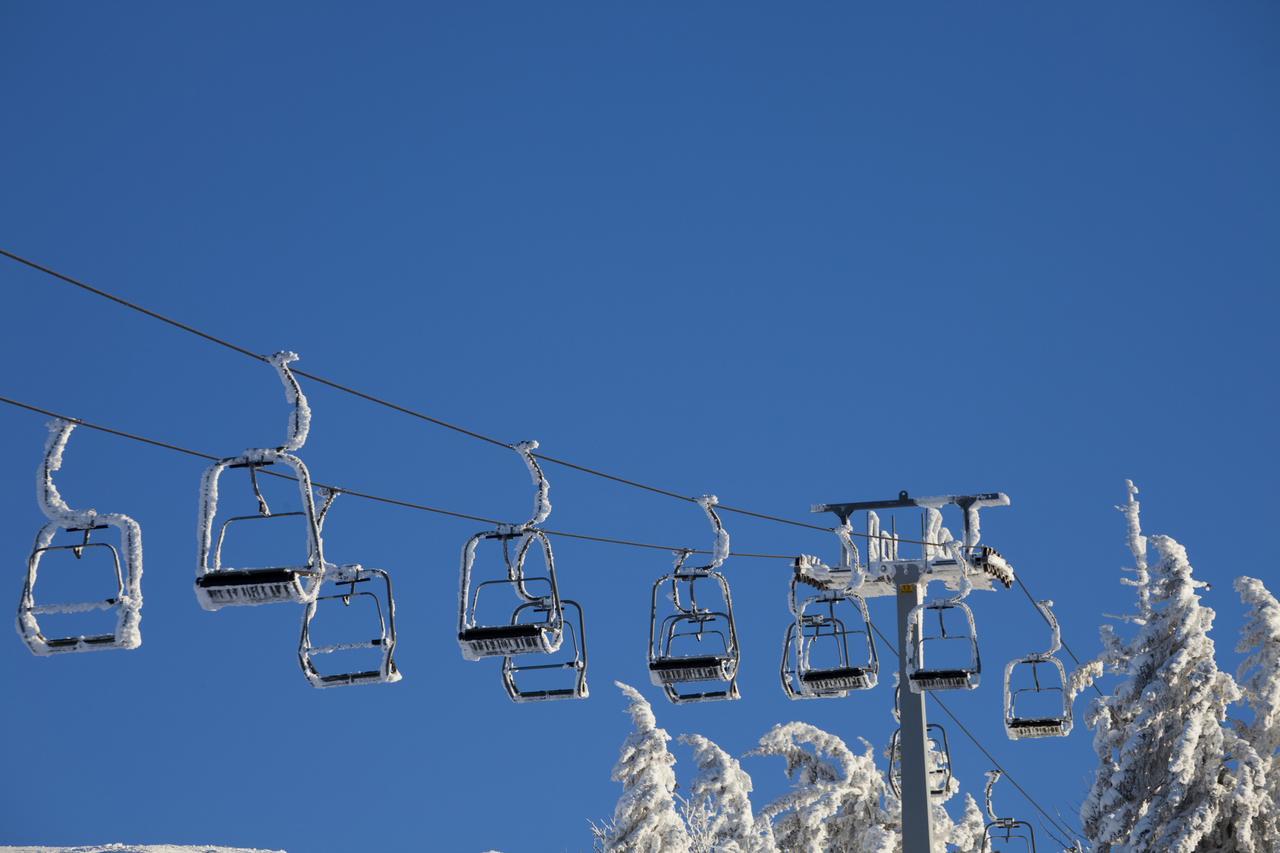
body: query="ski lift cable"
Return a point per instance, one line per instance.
(422, 507)
(1026, 795)
(595, 472)
(367, 495)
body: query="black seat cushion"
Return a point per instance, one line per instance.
(239, 577)
(832, 674)
(502, 632)
(686, 663)
(928, 674)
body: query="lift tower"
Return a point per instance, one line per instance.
(959, 566)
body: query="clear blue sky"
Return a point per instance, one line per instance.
(784, 255)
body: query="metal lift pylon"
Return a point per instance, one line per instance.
(907, 580)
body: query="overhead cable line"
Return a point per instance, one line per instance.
(347, 389)
(166, 445)
(366, 495)
(972, 737)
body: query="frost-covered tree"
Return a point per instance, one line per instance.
(837, 799)
(1163, 781)
(718, 810)
(1259, 673)
(645, 819)
(1259, 679)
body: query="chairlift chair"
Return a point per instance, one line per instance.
(575, 663)
(826, 622)
(219, 586)
(939, 755)
(349, 578)
(955, 629)
(126, 567)
(1005, 834)
(489, 638)
(685, 620)
(1038, 683)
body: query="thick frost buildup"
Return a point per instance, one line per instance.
(1259, 673)
(718, 810)
(1162, 782)
(937, 538)
(719, 550)
(646, 819)
(300, 417)
(542, 497)
(128, 604)
(137, 848)
(836, 801)
(1259, 676)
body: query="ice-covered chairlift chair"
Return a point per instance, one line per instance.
(955, 625)
(1041, 679)
(126, 566)
(1005, 834)
(352, 577)
(686, 620)
(220, 586)
(513, 637)
(939, 757)
(828, 620)
(574, 663)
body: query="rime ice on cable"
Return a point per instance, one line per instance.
(679, 625)
(818, 661)
(126, 568)
(220, 586)
(1005, 834)
(1037, 702)
(531, 621)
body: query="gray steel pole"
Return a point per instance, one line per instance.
(917, 829)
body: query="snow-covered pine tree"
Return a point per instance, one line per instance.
(645, 819)
(1259, 679)
(718, 810)
(1162, 781)
(836, 803)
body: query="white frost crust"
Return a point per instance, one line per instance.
(937, 538)
(645, 819)
(718, 810)
(300, 417)
(542, 497)
(47, 494)
(128, 631)
(137, 848)
(848, 575)
(720, 550)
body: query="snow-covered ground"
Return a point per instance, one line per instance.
(139, 848)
